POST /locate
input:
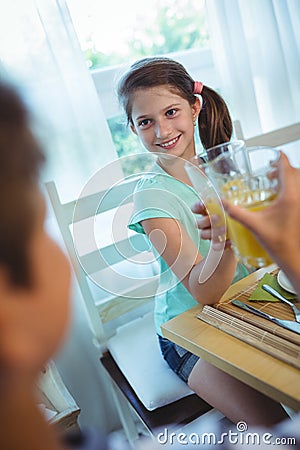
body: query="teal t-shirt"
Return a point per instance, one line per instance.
(160, 195)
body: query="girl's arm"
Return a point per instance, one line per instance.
(205, 278)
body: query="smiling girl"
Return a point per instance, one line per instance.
(163, 104)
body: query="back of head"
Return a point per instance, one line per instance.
(215, 125)
(20, 161)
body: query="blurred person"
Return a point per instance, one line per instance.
(34, 288)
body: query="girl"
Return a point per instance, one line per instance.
(163, 103)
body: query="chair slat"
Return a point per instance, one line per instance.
(87, 206)
(113, 254)
(274, 138)
(97, 203)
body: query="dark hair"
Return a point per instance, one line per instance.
(20, 161)
(215, 125)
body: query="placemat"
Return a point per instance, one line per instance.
(263, 340)
(276, 309)
(257, 331)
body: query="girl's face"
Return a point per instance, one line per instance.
(36, 317)
(164, 121)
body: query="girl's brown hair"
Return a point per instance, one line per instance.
(215, 125)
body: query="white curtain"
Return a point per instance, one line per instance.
(39, 52)
(256, 49)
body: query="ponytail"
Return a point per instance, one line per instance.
(214, 121)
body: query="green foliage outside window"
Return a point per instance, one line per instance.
(179, 25)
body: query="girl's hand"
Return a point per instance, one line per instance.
(210, 228)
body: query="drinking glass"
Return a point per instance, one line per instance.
(197, 170)
(232, 146)
(246, 177)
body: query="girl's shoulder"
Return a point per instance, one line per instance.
(154, 179)
(160, 181)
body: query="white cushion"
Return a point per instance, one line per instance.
(136, 350)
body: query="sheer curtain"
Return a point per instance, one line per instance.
(40, 53)
(256, 49)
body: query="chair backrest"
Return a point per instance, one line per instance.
(275, 138)
(55, 400)
(115, 267)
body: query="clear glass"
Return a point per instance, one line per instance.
(244, 177)
(231, 147)
(247, 178)
(197, 169)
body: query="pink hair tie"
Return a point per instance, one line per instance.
(198, 86)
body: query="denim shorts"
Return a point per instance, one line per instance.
(180, 360)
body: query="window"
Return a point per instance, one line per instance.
(122, 32)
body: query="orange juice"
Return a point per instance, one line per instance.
(248, 250)
(213, 207)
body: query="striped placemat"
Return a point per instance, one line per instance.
(257, 331)
(279, 347)
(278, 309)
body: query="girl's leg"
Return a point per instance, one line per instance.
(236, 400)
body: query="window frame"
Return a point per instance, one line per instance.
(198, 62)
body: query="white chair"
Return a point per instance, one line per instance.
(118, 281)
(275, 138)
(286, 138)
(55, 401)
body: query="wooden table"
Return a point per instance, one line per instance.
(265, 373)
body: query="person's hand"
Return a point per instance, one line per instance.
(211, 226)
(276, 227)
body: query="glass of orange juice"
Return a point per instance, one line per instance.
(209, 196)
(246, 177)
